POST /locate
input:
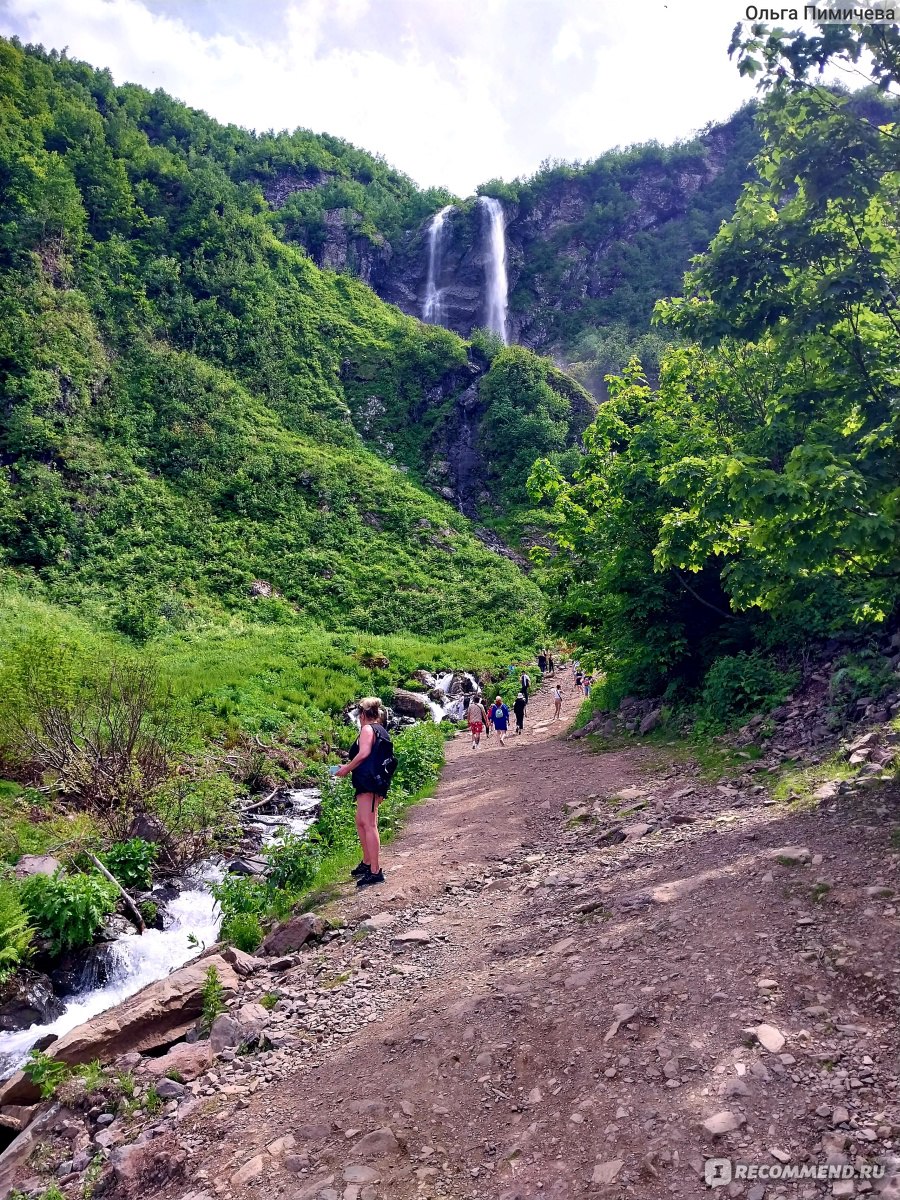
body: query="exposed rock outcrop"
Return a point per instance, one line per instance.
(154, 1017)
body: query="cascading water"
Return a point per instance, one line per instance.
(433, 308)
(135, 960)
(496, 283)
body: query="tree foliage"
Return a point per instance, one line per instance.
(754, 491)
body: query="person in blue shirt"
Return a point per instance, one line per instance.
(499, 716)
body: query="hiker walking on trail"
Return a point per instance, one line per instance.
(476, 716)
(525, 685)
(542, 661)
(587, 684)
(519, 706)
(500, 719)
(557, 703)
(579, 675)
(551, 669)
(371, 767)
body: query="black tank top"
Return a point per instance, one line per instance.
(362, 775)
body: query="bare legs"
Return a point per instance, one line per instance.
(367, 829)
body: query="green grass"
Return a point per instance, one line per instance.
(795, 785)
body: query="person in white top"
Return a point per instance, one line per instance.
(557, 703)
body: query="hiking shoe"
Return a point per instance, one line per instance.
(370, 880)
(360, 869)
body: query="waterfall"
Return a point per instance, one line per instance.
(495, 269)
(433, 308)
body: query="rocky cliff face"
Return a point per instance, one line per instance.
(586, 246)
(461, 277)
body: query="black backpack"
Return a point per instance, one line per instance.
(382, 761)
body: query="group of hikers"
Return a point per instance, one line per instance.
(496, 718)
(372, 763)
(483, 720)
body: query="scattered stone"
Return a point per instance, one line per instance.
(170, 1089)
(36, 864)
(249, 1171)
(770, 1038)
(187, 1059)
(622, 1013)
(411, 938)
(244, 964)
(292, 934)
(722, 1123)
(377, 1143)
(791, 856)
(382, 920)
(650, 722)
(634, 833)
(357, 1173)
(605, 1173)
(281, 1145)
(143, 1168)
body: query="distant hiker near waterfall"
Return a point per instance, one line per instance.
(371, 767)
(476, 716)
(519, 706)
(500, 718)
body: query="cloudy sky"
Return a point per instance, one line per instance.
(454, 92)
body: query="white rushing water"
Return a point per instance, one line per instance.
(135, 960)
(496, 283)
(433, 307)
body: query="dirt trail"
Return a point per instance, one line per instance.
(538, 1012)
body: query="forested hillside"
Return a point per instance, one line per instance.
(723, 521)
(224, 486)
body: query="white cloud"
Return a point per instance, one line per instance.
(453, 92)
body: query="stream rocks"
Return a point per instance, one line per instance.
(157, 1016)
(411, 704)
(28, 999)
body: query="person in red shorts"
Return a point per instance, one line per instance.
(476, 716)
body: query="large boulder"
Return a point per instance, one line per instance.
(36, 864)
(188, 1060)
(293, 934)
(142, 1168)
(411, 704)
(26, 1000)
(157, 1016)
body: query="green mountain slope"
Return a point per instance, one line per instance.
(179, 385)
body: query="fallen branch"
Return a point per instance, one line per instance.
(261, 803)
(136, 919)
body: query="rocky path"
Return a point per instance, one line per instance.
(587, 974)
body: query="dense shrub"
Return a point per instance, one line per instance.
(198, 815)
(132, 863)
(68, 910)
(740, 686)
(243, 930)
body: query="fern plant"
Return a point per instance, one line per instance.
(15, 930)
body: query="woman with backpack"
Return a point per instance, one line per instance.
(371, 766)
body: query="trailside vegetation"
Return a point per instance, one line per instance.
(743, 500)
